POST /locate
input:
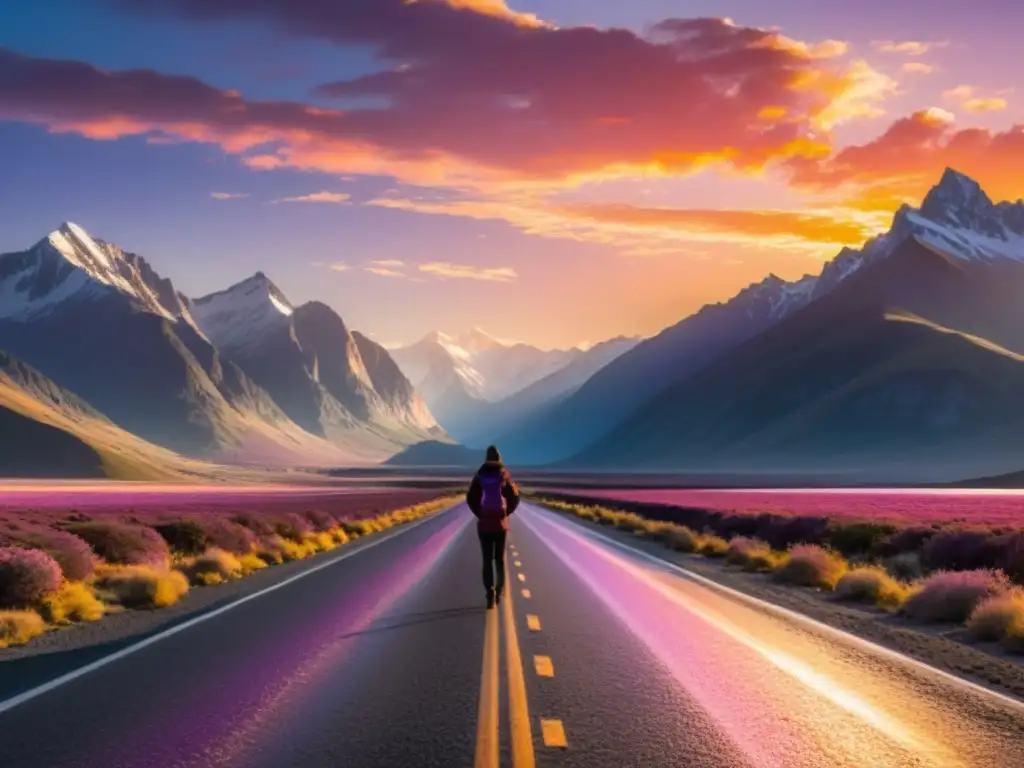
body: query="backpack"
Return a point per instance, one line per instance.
(492, 500)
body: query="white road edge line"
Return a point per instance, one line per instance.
(74, 674)
(792, 615)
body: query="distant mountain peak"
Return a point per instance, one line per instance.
(243, 313)
(478, 340)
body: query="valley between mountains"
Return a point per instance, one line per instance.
(900, 360)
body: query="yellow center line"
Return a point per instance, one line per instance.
(543, 666)
(526, 594)
(518, 564)
(487, 715)
(533, 622)
(520, 736)
(522, 577)
(553, 733)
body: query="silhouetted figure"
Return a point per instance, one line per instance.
(492, 497)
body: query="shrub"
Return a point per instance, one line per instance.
(713, 546)
(322, 521)
(123, 544)
(229, 535)
(186, 537)
(72, 553)
(74, 601)
(141, 586)
(953, 595)
(782, 532)
(732, 525)
(911, 539)
(270, 549)
(962, 549)
(992, 617)
(18, 627)
(320, 542)
(741, 548)
(906, 566)
(809, 565)
(766, 561)
(682, 539)
(858, 538)
(251, 563)
(258, 525)
(214, 566)
(871, 584)
(292, 525)
(26, 577)
(1013, 639)
(340, 537)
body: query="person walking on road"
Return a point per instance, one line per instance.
(493, 496)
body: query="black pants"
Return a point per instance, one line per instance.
(492, 545)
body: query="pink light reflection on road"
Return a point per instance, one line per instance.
(784, 699)
(277, 676)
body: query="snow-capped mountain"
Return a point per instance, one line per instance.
(313, 367)
(242, 314)
(101, 323)
(70, 265)
(459, 376)
(956, 218)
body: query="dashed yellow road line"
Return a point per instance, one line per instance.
(518, 564)
(487, 714)
(526, 594)
(533, 622)
(553, 733)
(522, 577)
(520, 736)
(543, 666)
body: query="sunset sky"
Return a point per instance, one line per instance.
(555, 172)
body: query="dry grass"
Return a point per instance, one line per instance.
(73, 602)
(992, 618)
(953, 595)
(251, 563)
(1013, 639)
(713, 546)
(214, 566)
(682, 539)
(872, 584)
(18, 627)
(141, 586)
(809, 565)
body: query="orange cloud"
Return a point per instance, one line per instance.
(658, 231)
(529, 91)
(905, 161)
(446, 269)
(742, 224)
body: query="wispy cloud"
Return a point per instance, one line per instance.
(465, 272)
(907, 47)
(388, 263)
(969, 99)
(334, 266)
(919, 68)
(228, 195)
(317, 197)
(384, 272)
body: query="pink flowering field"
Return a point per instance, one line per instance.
(972, 507)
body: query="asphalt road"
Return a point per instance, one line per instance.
(601, 657)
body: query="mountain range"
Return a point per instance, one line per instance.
(903, 355)
(477, 385)
(239, 376)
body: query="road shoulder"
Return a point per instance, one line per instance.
(939, 647)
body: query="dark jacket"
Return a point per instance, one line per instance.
(508, 489)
